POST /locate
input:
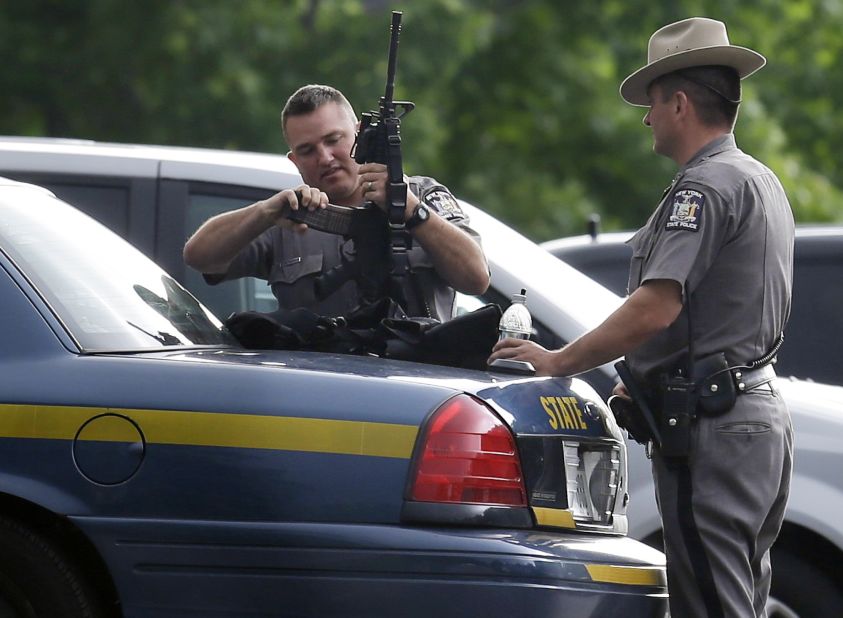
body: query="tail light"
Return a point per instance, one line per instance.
(468, 456)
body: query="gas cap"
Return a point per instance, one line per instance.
(109, 449)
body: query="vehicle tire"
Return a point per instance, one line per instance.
(802, 588)
(36, 578)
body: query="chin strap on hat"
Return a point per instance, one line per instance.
(702, 83)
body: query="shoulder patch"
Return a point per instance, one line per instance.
(686, 211)
(444, 204)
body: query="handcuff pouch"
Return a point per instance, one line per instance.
(717, 391)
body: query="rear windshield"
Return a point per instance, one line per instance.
(107, 294)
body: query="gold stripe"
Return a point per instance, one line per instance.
(215, 429)
(557, 518)
(632, 576)
(109, 428)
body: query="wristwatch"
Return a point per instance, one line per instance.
(420, 214)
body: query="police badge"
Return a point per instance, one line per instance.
(443, 204)
(686, 212)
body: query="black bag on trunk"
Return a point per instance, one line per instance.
(381, 328)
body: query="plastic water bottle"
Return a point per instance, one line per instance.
(516, 321)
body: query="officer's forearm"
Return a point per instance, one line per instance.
(648, 311)
(218, 241)
(457, 257)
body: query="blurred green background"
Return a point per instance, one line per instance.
(517, 101)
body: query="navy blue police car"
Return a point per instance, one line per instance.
(152, 467)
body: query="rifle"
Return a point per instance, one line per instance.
(379, 141)
(379, 137)
(381, 242)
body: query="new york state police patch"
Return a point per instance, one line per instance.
(444, 204)
(686, 211)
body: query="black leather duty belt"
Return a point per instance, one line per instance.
(743, 378)
(750, 379)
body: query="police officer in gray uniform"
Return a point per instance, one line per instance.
(320, 126)
(710, 285)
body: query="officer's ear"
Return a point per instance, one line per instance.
(292, 156)
(680, 103)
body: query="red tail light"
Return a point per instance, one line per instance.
(468, 456)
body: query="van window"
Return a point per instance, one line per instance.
(815, 319)
(246, 294)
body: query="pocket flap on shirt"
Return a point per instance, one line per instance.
(293, 269)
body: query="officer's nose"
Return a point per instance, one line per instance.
(325, 154)
(646, 119)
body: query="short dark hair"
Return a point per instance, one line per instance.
(309, 98)
(715, 91)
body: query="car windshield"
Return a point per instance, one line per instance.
(106, 293)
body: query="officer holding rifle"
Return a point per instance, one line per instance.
(320, 126)
(710, 284)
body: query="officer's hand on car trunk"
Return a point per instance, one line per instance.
(525, 350)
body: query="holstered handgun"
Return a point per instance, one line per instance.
(629, 417)
(634, 415)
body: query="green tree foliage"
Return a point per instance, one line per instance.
(517, 101)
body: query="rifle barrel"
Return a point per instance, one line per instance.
(394, 32)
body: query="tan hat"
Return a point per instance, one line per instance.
(693, 42)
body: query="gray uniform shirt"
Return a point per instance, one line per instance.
(724, 228)
(290, 262)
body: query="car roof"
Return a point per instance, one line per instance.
(568, 243)
(76, 156)
(584, 240)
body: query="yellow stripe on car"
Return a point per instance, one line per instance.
(558, 518)
(213, 429)
(631, 576)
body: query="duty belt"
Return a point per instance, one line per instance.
(750, 379)
(744, 378)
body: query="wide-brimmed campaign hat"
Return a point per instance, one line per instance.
(693, 42)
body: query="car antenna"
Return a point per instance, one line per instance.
(593, 225)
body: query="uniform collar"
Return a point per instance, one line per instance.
(714, 147)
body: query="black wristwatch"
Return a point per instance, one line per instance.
(419, 216)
